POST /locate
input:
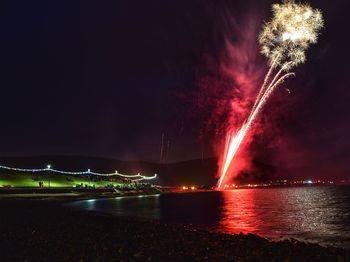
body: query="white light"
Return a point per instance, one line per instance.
(294, 36)
(48, 166)
(285, 36)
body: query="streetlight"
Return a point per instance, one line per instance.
(48, 169)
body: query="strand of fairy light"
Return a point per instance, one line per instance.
(138, 177)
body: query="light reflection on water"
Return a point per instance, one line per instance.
(320, 214)
(306, 213)
(139, 206)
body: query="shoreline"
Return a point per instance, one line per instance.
(69, 194)
(38, 230)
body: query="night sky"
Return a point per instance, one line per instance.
(107, 78)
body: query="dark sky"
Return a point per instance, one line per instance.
(107, 78)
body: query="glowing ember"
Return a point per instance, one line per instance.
(283, 41)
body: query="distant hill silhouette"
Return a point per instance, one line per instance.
(173, 174)
(191, 172)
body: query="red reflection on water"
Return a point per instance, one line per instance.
(276, 212)
(238, 212)
(263, 212)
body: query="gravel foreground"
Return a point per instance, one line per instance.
(46, 230)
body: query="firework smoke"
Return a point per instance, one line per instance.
(283, 41)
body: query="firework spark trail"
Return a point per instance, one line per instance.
(227, 143)
(231, 149)
(266, 80)
(238, 138)
(283, 41)
(235, 142)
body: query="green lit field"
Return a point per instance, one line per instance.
(14, 179)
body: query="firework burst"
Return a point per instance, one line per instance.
(291, 30)
(283, 41)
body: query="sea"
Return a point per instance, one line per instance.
(311, 214)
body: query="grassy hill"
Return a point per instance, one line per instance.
(16, 179)
(66, 163)
(192, 172)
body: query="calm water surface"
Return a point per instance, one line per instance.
(317, 214)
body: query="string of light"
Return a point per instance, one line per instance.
(48, 168)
